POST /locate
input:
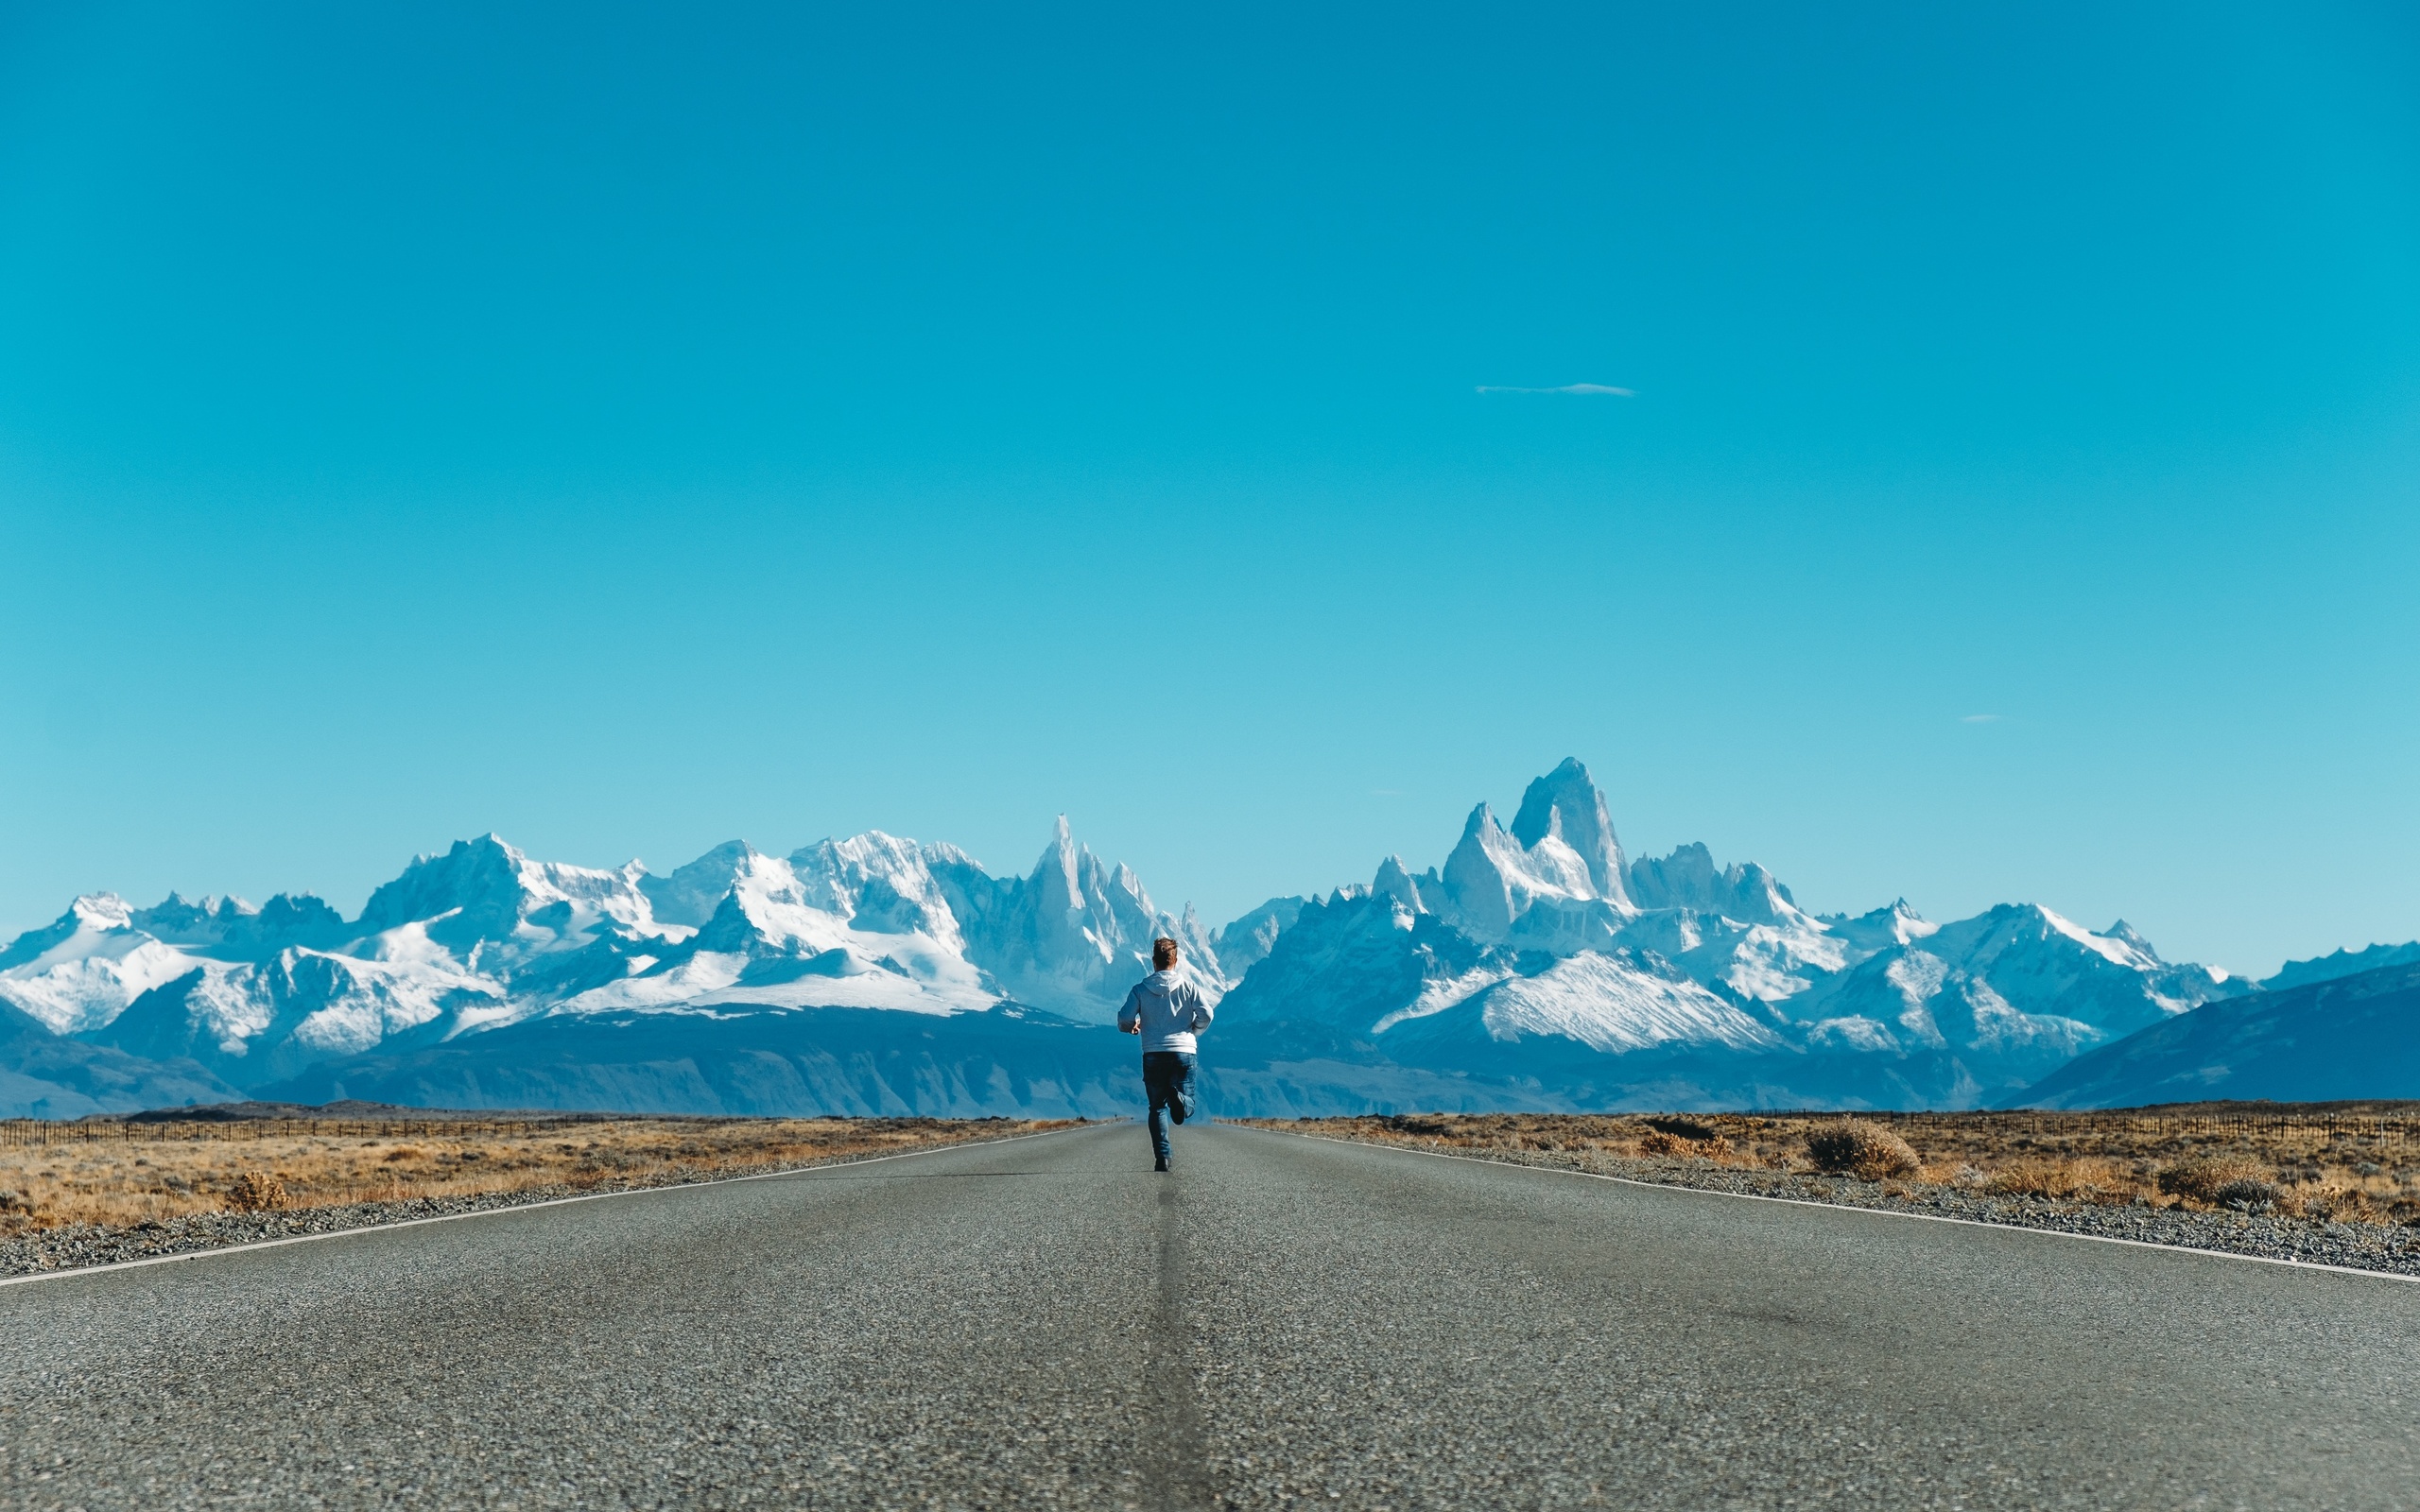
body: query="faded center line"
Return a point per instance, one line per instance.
(1175, 1476)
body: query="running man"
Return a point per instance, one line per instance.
(1166, 1010)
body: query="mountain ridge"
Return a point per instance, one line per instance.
(1537, 961)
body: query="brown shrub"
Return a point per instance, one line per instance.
(256, 1192)
(1680, 1147)
(2221, 1180)
(1867, 1151)
(1686, 1128)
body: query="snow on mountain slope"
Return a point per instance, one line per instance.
(1566, 808)
(855, 924)
(1355, 964)
(1491, 879)
(1245, 943)
(483, 935)
(689, 895)
(2006, 996)
(1896, 924)
(1072, 936)
(1616, 1003)
(487, 898)
(82, 970)
(884, 886)
(1527, 925)
(1688, 879)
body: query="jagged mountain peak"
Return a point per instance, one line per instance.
(1895, 923)
(90, 915)
(1688, 879)
(2034, 922)
(1246, 943)
(880, 883)
(1491, 879)
(100, 910)
(176, 912)
(486, 890)
(1423, 894)
(689, 895)
(871, 848)
(1566, 806)
(943, 853)
(2125, 934)
(1060, 867)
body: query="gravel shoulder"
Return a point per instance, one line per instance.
(2356, 1247)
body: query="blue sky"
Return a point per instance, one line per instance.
(627, 428)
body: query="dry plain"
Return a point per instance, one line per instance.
(126, 1174)
(2356, 1162)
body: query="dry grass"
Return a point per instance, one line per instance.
(134, 1174)
(2355, 1172)
(2087, 1179)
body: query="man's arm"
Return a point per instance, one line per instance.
(1201, 1015)
(1130, 1018)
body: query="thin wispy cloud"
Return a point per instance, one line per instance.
(1979, 719)
(1566, 388)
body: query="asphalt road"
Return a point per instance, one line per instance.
(1046, 1323)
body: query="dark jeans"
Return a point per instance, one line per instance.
(1167, 1081)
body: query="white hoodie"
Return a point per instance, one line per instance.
(1167, 1009)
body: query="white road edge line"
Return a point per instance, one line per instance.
(1849, 1207)
(515, 1207)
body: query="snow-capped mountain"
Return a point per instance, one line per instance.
(1543, 935)
(1537, 964)
(483, 936)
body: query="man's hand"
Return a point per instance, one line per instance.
(1136, 1027)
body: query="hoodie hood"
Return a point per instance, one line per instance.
(1167, 1010)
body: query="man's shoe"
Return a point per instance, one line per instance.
(1159, 1165)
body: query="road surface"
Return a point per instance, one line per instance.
(1046, 1323)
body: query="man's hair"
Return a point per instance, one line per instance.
(1163, 954)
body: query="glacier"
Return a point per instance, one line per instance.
(1536, 966)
